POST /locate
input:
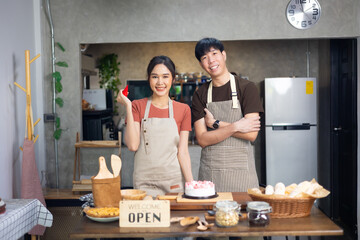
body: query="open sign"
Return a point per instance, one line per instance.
(144, 213)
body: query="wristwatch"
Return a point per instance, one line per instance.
(216, 124)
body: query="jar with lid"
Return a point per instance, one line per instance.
(227, 213)
(258, 213)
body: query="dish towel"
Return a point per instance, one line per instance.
(30, 182)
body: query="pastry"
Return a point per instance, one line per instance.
(102, 212)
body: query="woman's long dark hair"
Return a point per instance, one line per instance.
(161, 60)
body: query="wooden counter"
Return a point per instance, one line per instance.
(317, 224)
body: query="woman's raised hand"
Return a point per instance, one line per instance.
(122, 99)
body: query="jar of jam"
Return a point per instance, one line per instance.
(258, 213)
(227, 213)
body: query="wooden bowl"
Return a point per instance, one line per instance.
(133, 194)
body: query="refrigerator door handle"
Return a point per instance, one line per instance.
(300, 126)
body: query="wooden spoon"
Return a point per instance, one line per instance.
(188, 221)
(115, 164)
(201, 226)
(176, 219)
(103, 170)
(208, 225)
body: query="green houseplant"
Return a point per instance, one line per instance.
(109, 74)
(58, 88)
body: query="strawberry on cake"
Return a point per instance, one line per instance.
(200, 189)
(2, 206)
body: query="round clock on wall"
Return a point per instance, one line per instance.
(303, 14)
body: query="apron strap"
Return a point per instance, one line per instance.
(147, 109)
(171, 111)
(235, 102)
(209, 94)
(148, 105)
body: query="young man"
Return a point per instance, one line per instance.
(226, 118)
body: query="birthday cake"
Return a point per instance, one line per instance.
(200, 189)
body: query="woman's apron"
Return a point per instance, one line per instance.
(156, 168)
(230, 164)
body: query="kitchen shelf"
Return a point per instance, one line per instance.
(85, 185)
(186, 91)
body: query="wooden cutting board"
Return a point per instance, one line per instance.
(222, 196)
(240, 197)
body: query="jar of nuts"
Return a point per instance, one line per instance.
(227, 213)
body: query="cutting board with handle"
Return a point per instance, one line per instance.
(103, 170)
(115, 164)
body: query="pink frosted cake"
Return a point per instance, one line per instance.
(200, 189)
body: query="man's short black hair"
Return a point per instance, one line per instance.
(203, 46)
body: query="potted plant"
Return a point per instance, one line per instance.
(109, 74)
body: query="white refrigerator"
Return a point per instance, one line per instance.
(290, 130)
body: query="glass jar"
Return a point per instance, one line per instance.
(258, 213)
(227, 213)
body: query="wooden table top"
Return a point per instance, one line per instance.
(317, 224)
(60, 194)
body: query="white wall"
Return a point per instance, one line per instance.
(17, 25)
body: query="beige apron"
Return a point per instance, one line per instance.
(156, 168)
(230, 164)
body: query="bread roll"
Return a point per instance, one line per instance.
(256, 190)
(269, 190)
(280, 188)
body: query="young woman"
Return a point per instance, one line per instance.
(157, 130)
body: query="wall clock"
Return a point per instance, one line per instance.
(303, 14)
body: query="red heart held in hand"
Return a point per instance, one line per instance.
(125, 91)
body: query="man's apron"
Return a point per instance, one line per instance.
(230, 164)
(156, 168)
